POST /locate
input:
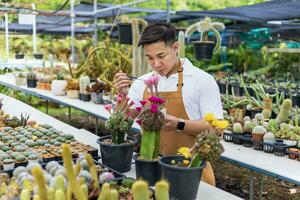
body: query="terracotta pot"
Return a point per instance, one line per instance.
(257, 136)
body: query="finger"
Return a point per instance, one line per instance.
(117, 75)
(123, 82)
(121, 78)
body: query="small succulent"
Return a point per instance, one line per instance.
(237, 128)
(259, 129)
(31, 76)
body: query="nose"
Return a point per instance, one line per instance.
(156, 63)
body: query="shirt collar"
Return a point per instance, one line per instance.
(187, 68)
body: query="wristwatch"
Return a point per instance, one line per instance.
(180, 125)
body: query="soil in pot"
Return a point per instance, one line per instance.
(148, 170)
(184, 181)
(116, 156)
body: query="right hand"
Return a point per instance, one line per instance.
(121, 83)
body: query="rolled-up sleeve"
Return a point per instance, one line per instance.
(135, 93)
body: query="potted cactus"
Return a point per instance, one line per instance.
(31, 79)
(238, 131)
(20, 79)
(84, 83)
(72, 89)
(150, 119)
(97, 90)
(188, 166)
(117, 148)
(204, 49)
(257, 137)
(58, 85)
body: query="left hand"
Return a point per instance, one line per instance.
(170, 122)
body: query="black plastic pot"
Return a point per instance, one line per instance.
(80, 96)
(296, 100)
(184, 182)
(222, 87)
(19, 56)
(31, 83)
(97, 98)
(117, 156)
(38, 56)
(148, 170)
(125, 33)
(236, 89)
(86, 97)
(203, 50)
(252, 112)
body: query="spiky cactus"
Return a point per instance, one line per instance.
(285, 110)
(139, 64)
(31, 76)
(84, 83)
(259, 129)
(162, 190)
(248, 126)
(267, 108)
(208, 145)
(181, 41)
(140, 190)
(237, 128)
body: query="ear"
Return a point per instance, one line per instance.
(175, 46)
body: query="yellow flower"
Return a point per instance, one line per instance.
(185, 163)
(185, 151)
(209, 117)
(222, 124)
(215, 122)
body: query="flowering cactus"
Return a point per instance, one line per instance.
(120, 121)
(151, 120)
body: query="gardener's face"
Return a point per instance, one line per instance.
(161, 57)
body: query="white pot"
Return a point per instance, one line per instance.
(58, 86)
(20, 81)
(73, 94)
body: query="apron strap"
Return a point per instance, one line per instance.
(180, 79)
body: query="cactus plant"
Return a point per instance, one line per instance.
(259, 130)
(204, 27)
(31, 76)
(39, 178)
(285, 110)
(140, 190)
(84, 83)
(269, 137)
(248, 126)
(267, 108)
(181, 41)
(139, 64)
(162, 190)
(237, 128)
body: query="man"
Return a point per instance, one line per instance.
(190, 92)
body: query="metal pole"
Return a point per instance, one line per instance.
(251, 185)
(96, 126)
(95, 24)
(6, 35)
(168, 10)
(34, 28)
(261, 187)
(72, 31)
(69, 113)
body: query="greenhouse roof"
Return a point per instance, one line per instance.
(257, 13)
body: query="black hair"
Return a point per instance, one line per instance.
(158, 32)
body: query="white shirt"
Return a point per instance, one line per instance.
(200, 91)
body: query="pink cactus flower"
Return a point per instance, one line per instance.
(139, 122)
(154, 108)
(108, 107)
(131, 103)
(143, 102)
(155, 99)
(138, 109)
(155, 80)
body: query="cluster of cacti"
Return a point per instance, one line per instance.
(84, 83)
(285, 111)
(204, 27)
(208, 145)
(31, 76)
(82, 189)
(287, 131)
(139, 64)
(267, 108)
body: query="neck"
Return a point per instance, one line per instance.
(174, 68)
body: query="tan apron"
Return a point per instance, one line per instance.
(170, 140)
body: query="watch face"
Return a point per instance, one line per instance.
(180, 125)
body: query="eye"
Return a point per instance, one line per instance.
(161, 56)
